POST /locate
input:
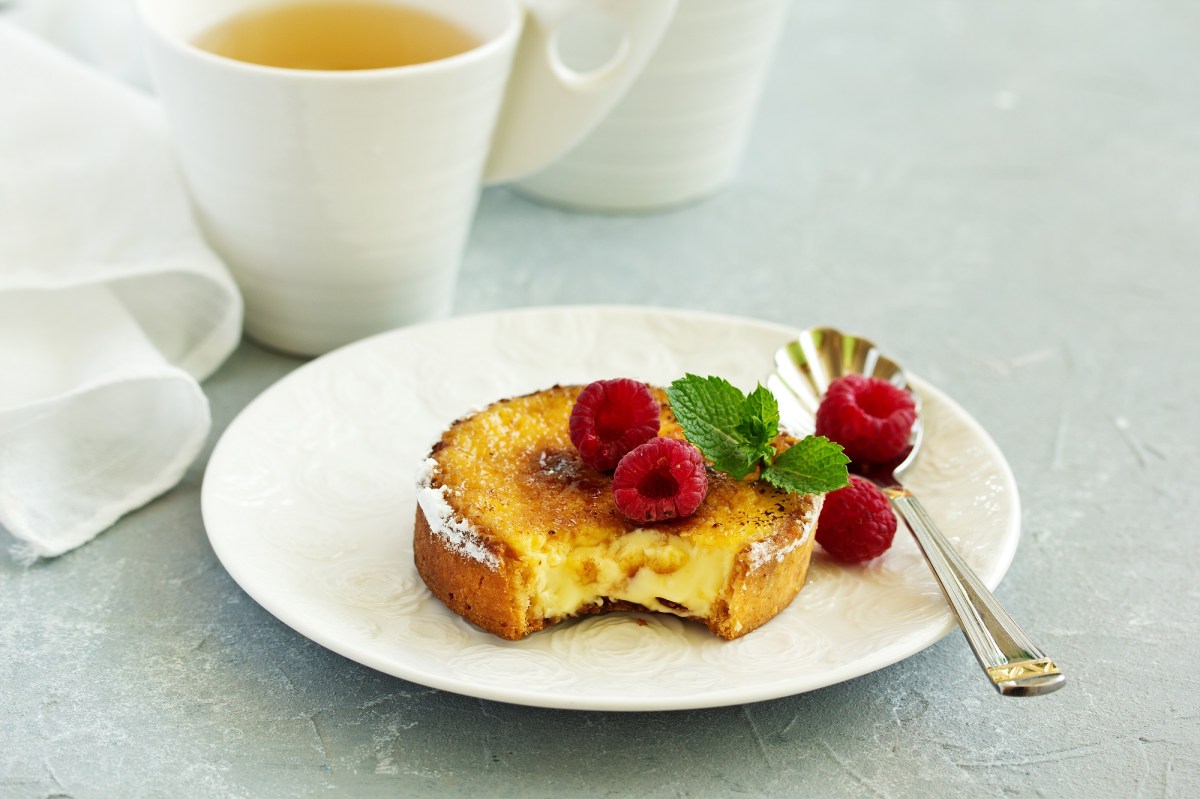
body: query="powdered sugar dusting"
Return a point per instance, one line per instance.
(765, 552)
(458, 534)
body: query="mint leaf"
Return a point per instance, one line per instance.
(815, 465)
(757, 443)
(762, 403)
(760, 423)
(711, 412)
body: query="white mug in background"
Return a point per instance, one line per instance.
(679, 133)
(342, 200)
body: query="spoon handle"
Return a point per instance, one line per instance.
(1016, 666)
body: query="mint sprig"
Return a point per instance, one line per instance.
(736, 432)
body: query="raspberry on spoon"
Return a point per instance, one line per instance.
(871, 418)
(662, 479)
(610, 418)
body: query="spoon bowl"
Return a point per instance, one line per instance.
(804, 369)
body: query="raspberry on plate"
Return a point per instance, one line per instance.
(610, 418)
(856, 522)
(662, 479)
(871, 418)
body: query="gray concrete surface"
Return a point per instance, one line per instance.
(1008, 196)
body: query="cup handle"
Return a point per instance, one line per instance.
(549, 107)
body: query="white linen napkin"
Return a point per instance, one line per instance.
(112, 307)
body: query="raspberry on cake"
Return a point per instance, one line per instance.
(662, 479)
(516, 531)
(610, 418)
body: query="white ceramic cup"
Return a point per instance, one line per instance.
(679, 133)
(342, 200)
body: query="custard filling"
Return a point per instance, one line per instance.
(661, 572)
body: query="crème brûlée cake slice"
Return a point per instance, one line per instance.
(514, 532)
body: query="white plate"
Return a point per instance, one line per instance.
(308, 501)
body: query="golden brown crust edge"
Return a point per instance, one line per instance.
(495, 599)
(753, 595)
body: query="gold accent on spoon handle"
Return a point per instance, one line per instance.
(1025, 668)
(1016, 666)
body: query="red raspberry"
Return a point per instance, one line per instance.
(869, 417)
(856, 522)
(610, 418)
(662, 479)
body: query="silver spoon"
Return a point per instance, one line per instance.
(803, 371)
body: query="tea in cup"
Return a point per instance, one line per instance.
(335, 150)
